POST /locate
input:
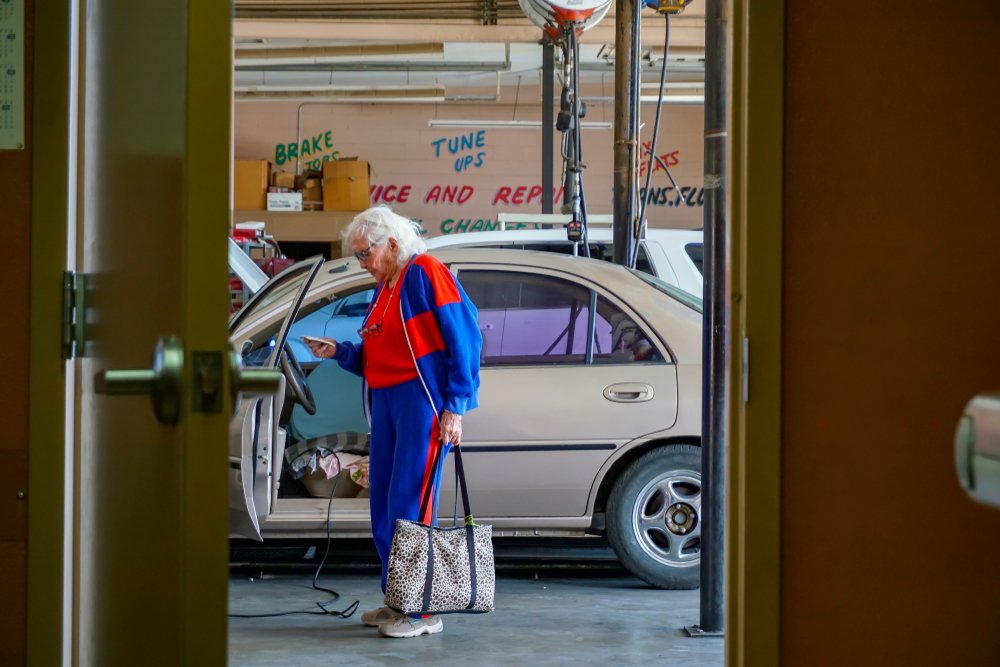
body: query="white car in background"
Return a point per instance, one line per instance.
(672, 255)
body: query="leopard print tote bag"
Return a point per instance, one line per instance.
(436, 570)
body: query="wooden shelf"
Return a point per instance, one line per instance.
(300, 225)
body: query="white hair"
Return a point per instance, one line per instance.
(378, 224)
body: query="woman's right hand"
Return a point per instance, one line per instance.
(321, 348)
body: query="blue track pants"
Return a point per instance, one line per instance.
(405, 439)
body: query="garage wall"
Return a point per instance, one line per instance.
(456, 180)
(891, 246)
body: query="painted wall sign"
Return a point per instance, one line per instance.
(390, 194)
(670, 158)
(461, 180)
(464, 149)
(449, 194)
(524, 195)
(686, 196)
(317, 148)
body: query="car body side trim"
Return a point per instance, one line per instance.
(536, 448)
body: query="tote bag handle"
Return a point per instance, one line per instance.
(460, 474)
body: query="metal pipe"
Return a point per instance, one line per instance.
(644, 192)
(623, 189)
(548, 121)
(635, 83)
(716, 324)
(570, 202)
(468, 66)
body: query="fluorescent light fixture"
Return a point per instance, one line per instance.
(383, 94)
(646, 99)
(674, 99)
(272, 55)
(672, 85)
(505, 124)
(678, 53)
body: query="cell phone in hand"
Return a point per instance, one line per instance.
(314, 339)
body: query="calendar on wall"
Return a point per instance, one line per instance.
(11, 74)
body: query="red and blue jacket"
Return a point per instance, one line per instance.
(442, 333)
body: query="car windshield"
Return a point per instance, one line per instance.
(689, 300)
(257, 349)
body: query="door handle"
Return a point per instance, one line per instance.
(977, 449)
(162, 381)
(629, 392)
(251, 381)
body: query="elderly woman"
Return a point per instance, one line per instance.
(419, 357)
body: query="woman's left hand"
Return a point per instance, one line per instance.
(451, 428)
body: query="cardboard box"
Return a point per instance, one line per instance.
(283, 179)
(284, 201)
(313, 191)
(261, 252)
(346, 185)
(250, 181)
(302, 180)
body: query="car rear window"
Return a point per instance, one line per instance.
(696, 252)
(689, 300)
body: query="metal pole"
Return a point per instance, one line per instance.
(714, 353)
(623, 190)
(548, 121)
(567, 105)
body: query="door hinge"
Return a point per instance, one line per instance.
(74, 314)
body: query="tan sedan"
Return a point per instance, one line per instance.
(589, 419)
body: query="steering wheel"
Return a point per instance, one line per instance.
(297, 380)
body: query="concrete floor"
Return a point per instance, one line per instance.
(552, 620)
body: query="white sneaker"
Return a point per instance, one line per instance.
(377, 617)
(405, 626)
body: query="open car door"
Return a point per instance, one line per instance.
(256, 443)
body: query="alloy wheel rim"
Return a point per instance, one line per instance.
(666, 518)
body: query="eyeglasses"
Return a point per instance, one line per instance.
(370, 331)
(363, 255)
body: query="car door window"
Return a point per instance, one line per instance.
(528, 318)
(336, 315)
(696, 252)
(642, 262)
(620, 339)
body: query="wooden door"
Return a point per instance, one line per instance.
(152, 171)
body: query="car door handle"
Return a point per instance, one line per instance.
(628, 392)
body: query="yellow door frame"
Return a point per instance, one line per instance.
(753, 545)
(50, 460)
(52, 470)
(753, 614)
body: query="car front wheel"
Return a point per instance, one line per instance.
(654, 517)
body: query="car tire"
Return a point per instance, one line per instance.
(654, 517)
